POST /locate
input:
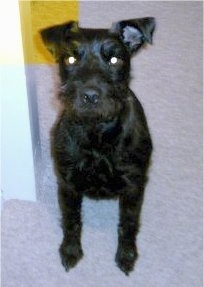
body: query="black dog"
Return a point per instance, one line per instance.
(101, 143)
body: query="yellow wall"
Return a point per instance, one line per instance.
(36, 15)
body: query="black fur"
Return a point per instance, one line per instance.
(101, 143)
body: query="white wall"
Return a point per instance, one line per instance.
(17, 166)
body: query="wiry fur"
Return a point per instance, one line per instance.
(101, 142)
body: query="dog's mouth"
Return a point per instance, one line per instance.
(105, 108)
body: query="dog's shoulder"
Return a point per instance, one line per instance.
(134, 116)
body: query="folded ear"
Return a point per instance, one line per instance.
(53, 36)
(135, 32)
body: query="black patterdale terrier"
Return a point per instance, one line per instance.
(101, 144)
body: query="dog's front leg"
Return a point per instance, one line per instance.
(70, 204)
(130, 207)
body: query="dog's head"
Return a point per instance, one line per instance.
(95, 63)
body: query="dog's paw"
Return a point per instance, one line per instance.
(125, 258)
(70, 254)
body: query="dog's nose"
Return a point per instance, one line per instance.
(91, 96)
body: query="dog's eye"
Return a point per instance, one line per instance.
(70, 60)
(115, 61)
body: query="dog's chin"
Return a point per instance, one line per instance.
(93, 113)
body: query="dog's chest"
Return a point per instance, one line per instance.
(98, 150)
(96, 169)
(97, 173)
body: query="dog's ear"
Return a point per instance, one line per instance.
(54, 36)
(135, 32)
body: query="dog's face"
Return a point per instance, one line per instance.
(95, 64)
